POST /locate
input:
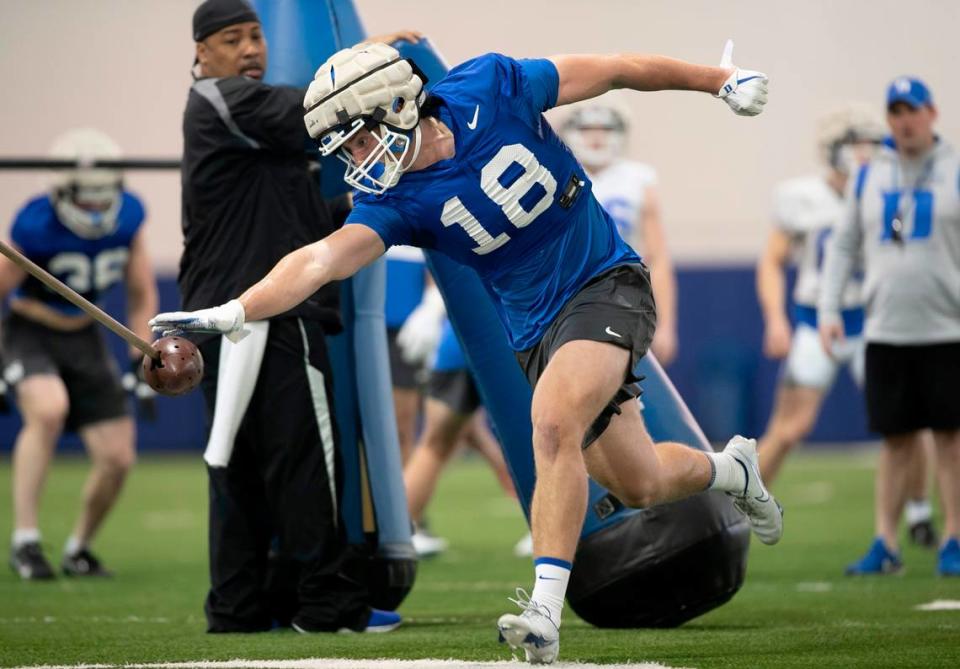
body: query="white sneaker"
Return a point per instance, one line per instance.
(761, 509)
(533, 630)
(426, 545)
(524, 547)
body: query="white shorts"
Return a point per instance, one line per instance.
(808, 365)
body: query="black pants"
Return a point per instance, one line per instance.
(277, 546)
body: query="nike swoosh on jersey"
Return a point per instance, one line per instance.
(476, 113)
(612, 333)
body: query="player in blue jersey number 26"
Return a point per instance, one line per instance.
(474, 171)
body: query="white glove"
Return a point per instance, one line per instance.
(745, 91)
(227, 319)
(420, 334)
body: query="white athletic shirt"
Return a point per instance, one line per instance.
(620, 188)
(807, 209)
(912, 285)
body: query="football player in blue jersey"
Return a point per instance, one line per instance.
(474, 171)
(88, 233)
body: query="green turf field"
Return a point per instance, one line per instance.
(795, 610)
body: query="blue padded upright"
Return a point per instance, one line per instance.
(301, 35)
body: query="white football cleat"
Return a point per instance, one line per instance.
(524, 547)
(427, 545)
(755, 502)
(533, 630)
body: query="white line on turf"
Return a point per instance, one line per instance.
(324, 663)
(815, 586)
(940, 605)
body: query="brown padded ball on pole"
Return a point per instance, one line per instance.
(179, 369)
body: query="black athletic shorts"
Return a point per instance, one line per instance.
(403, 374)
(616, 307)
(80, 358)
(911, 388)
(456, 389)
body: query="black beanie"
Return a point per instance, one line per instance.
(214, 15)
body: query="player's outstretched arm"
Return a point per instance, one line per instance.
(771, 293)
(842, 249)
(303, 272)
(586, 76)
(296, 277)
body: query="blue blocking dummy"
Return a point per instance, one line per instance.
(302, 34)
(654, 567)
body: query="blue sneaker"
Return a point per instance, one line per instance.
(378, 622)
(382, 621)
(948, 560)
(878, 560)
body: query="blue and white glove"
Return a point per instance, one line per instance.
(745, 91)
(227, 319)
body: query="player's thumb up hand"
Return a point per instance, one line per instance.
(744, 91)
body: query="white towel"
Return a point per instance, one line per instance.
(236, 379)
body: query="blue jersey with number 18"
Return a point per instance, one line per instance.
(501, 205)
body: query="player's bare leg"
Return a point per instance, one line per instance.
(43, 403)
(110, 445)
(919, 512)
(948, 478)
(479, 437)
(794, 414)
(443, 429)
(573, 390)
(406, 406)
(575, 387)
(639, 472)
(890, 495)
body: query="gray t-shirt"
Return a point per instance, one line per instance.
(905, 216)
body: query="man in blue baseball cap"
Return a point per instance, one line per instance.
(911, 115)
(903, 215)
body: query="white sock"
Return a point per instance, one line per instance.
(728, 474)
(550, 587)
(918, 511)
(73, 546)
(30, 535)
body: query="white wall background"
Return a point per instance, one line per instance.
(123, 66)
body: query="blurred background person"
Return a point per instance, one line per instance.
(86, 231)
(805, 212)
(597, 131)
(407, 280)
(903, 215)
(414, 318)
(453, 415)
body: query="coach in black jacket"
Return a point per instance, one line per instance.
(249, 198)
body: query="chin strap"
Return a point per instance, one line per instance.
(417, 144)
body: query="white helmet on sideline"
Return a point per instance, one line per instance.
(838, 130)
(87, 199)
(367, 86)
(596, 150)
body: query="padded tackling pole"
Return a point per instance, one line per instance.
(302, 34)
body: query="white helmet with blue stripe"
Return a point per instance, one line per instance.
(86, 198)
(596, 132)
(367, 86)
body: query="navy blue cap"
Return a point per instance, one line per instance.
(215, 15)
(910, 90)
